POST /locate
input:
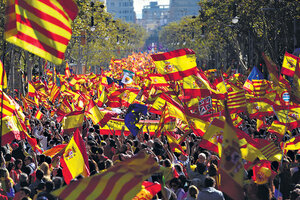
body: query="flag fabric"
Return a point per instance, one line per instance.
(295, 93)
(98, 116)
(292, 144)
(55, 92)
(205, 105)
(120, 182)
(33, 143)
(67, 71)
(39, 115)
(289, 64)
(254, 75)
(148, 191)
(54, 150)
(127, 77)
(3, 76)
(175, 65)
(7, 107)
(72, 121)
(75, 159)
(31, 90)
(231, 164)
(260, 87)
(10, 130)
(132, 117)
(174, 143)
(41, 27)
(269, 149)
(262, 172)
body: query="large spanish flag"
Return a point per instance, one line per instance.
(231, 165)
(175, 65)
(42, 27)
(121, 182)
(72, 121)
(75, 159)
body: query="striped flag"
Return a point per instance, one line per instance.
(55, 92)
(3, 76)
(55, 150)
(98, 116)
(121, 182)
(10, 129)
(67, 71)
(289, 64)
(42, 27)
(236, 101)
(292, 144)
(260, 87)
(39, 115)
(72, 121)
(8, 107)
(177, 64)
(75, 159)
(269, 149)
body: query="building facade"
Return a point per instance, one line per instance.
(179, 9)
(122, 9)
(154, 16)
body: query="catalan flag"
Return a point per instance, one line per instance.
(289, 64)
(177, 64)
(41, 27)
(254, 75)
(7, 107)
(75, 159)
(39, 115)
(55, 92)
(72, 121)
(236, 101)
(121, 182)
(3, 76)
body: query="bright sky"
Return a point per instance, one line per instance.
(139, 4)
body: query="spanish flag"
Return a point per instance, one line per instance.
(289, 64)
(98, 116)
(41, 27)
(3, 76)
(75, 159)
(292, 144)
(231, 165)
(175, 65)
(72, 121)
(10, 130)
(67, 71)
(122, 181)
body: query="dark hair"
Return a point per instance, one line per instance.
(167, 163)
(209, 182)
(263, 192)
(49, 186)
(7, 157)
(39, 174)
(58, 182)
(212, 170)
(48, 160)
(201, 168)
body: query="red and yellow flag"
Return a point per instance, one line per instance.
(72, 121)
(289, 64)
(75, 159)
(3, 76)
(41, 27)
(175, 65)
(231, 165)
(10, 129)
(39, 115)
(98, 116)
(122, 181)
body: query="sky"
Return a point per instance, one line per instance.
(139, 4)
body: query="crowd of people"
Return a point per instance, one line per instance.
(27, 175)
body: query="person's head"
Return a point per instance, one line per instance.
(209, 182)
(167, 163)
(175, 183)
(39, 174)
(28, 160)
(23, 177)
(178, 168)
(201, 168)
(202, 158)
(25, 192)
(263, 192)
(108, 163)
(58, 182)
(4, 174)
(193, 191)
(45, 168)
(48, 160)
(49, 186)
(212, 170)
